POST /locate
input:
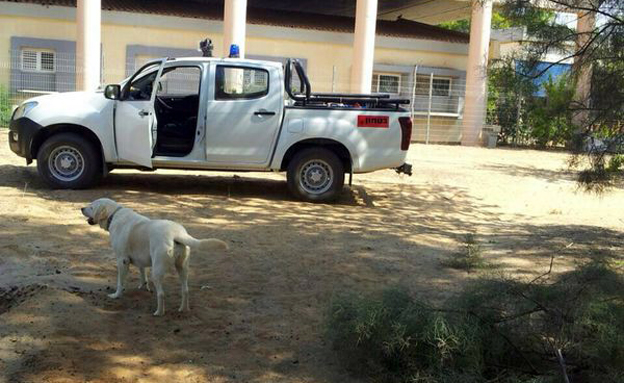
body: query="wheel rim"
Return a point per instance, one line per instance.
(66, 163)
(316, 177)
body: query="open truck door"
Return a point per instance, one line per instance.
(135, 117)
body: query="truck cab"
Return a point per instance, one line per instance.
(218, 114)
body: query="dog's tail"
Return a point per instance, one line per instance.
(202, 244)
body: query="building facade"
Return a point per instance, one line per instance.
(424, 63)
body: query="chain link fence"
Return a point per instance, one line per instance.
(436, 100)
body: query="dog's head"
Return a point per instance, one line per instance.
(99, 210)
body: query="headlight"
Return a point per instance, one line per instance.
(23, 109)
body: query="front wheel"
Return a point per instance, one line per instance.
(316, 175)
(68, 161)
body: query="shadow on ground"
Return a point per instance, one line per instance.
(549, 175)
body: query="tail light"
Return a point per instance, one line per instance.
(406, 132)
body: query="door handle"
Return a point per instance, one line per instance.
(264, 112)
(143, 113)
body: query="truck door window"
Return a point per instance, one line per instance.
(234, 83)
(179, 82)
(141, 87)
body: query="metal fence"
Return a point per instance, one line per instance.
(437, 101)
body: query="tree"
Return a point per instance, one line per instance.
(500, 20)
(551, 119)
(598, 70)
(510, 99)
(594, 118)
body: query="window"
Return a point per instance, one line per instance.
(29, 61)
(36, 60)
(386, 83)
(233, 83)
(179, 81)
(140, 89)
(441, 86)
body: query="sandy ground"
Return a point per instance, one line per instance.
(257, 312)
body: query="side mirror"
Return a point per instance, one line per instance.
(112, 92)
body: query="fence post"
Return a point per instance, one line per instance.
(414, 89)
(429, 108)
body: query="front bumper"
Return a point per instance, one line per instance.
(21, 133)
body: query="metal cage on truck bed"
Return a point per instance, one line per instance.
(344, 100)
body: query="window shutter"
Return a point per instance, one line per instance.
(441, 87)
(389, 83)
(29, 60)
(47, 61)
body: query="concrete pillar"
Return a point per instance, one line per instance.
(234, 22)
(583, 69)
(363, 46)
(88, 44)
(476, 72)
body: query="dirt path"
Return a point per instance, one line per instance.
(257, 311)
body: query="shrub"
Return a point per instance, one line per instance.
(5, 107)
(468, 257)
(394, 338)
(550, 119)
(495, 330)
(616, 163)
(509, 99)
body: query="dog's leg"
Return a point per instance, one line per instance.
(122, 272)
(158, 272)
(182, 266)
(144, 282)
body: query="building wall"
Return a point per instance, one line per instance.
(119, 31)
(115, 39)
(42, 28)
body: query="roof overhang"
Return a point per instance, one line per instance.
(425, 11)
(430, 12)
(261, 13)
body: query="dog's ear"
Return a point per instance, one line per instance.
(101, 214)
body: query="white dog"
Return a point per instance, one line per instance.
(158, 244)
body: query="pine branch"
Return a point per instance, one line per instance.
(587, 9)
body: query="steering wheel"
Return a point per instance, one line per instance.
(163, 104)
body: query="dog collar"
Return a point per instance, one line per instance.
(110, 217)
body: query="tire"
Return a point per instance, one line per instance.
(316, 175)
(68, 161)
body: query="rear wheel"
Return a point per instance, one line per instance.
(68, 161)
(316, 175)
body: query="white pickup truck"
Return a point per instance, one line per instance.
(214, 114)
